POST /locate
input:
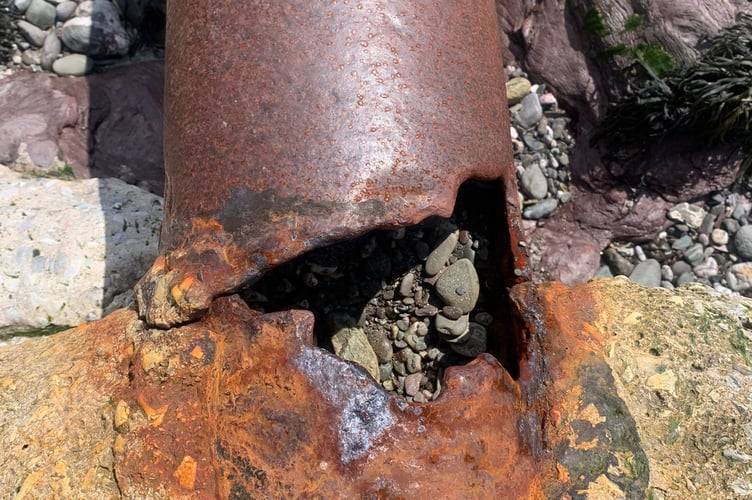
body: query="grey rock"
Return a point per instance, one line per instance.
(603, 272)
(739, 276)
(33, 34)
(380, 344)
(707, 224)
(618, 264)
(427, 310)
(65, 10)
(32, 57)
(694, 254)
(101, 34)
(452, 329)
(415, 341)
(683, 243)
(458, 285)
(667, 285)
(73, 65)
(385, 372)
(647, 273)
(21, 5)
(41, 14)
(707, 269)
(743, 242)
(691, 215)
(680, 267)
(542, 209)
(530, 111)
(473, 344)
(406, 285)
(352, 344)
(413, 363)
(451, 312)
(533, 183)
(439, 256)
(688, 277)
(532, 143)
(739, 213)
(50, 50)
(730, 225)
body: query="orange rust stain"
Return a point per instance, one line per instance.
(186, 472)
(155, 415)
(197, 353)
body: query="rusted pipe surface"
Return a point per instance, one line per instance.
(292, 124)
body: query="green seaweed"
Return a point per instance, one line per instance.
(633, 22)
(593, 22)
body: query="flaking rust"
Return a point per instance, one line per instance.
(296, 124)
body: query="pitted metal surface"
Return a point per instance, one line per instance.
(293, 124)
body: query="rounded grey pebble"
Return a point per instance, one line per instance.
(695, 254)
(41, 14)
(680, 267)
(73, 65)
(406, 285)
(730, 225)
(439, 255)
(542, 209)
(685, 278)
(65, 10)
(33, 34)
(21, 5)
(50, 50)
(452, 330)
(451, 312)
(743, 242)
(460, 276)
(484, 318)
(533, 183)
(618, 264)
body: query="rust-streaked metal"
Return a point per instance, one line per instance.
(293, 124)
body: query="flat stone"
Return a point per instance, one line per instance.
(682, 243)
(41, 14)
(352, 344)
(439, 255)
(452, 329)
(694, 254)
(691, 215)
(533, 183)
(707, 269)
(73, 65)
(31, 33)
(458, 285)
(542, 209)
(472, 344)
(647, 273)
(451, 312)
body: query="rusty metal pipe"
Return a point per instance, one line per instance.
(291, 124)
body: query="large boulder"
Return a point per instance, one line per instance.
(104, 125)
(71, 247)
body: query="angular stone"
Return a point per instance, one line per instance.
(517, 89)
(352, 344)
(647, 273)
(691, 215)
(458, 285)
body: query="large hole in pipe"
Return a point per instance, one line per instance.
(393, 293)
